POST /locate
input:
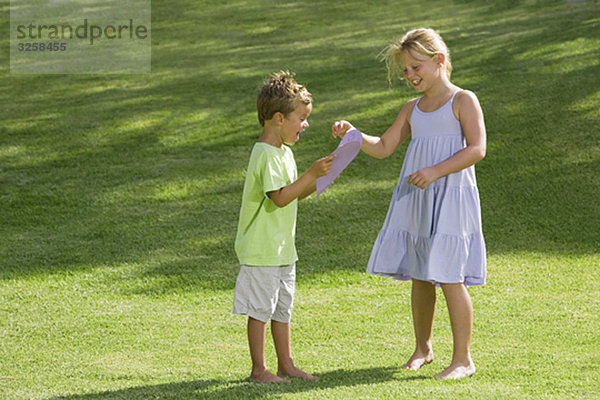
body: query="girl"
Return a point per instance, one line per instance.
(432, 232)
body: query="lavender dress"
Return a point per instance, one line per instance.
(433, 234)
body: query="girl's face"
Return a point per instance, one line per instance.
(294, 123)
(419, 70)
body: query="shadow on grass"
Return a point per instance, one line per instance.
(101, 171)
(215, 389)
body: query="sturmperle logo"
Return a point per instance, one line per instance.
(80, 37)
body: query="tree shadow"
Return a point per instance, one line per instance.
(215, 389)
(76, 197)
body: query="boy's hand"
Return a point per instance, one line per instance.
(322, 166)
(340, 128)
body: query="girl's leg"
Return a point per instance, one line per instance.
(283, 347)
(461, 320)
(256, 340)
(423, 309)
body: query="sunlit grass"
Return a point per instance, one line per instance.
(119, 198)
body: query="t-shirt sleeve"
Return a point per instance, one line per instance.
(273, 175)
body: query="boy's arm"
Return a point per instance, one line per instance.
(308, 191)
(304, 186)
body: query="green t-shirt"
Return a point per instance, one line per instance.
(266, 233)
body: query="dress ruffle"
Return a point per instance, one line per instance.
(432, 234)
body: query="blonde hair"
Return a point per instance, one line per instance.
(426, 42)
(280, 93)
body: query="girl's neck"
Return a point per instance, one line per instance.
(436, 97)
(443, 90)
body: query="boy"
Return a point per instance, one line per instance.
(265, 238)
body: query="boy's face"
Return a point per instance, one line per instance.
(294, 123)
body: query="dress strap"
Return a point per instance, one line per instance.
(453, 95)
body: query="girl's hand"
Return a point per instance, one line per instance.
(423, 177)
(340, 128)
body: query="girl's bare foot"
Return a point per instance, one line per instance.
(293, 372)
(417, 360)
(457, 372)
(265, 377)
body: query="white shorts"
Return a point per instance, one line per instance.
(265, 293)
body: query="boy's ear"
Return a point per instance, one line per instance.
(278, 117)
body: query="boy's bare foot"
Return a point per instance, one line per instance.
(417, 360)
(294, 372)
(265, 377)
(457, 372)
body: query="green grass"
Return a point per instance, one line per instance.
(119, 198)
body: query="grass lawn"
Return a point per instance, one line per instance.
(119, 199)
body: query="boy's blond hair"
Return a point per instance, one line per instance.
(281, 93)
(426, 42)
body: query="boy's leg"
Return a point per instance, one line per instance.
(256, 340)
(423, 309)
(460, 309)
(282, 341)
(280, 326)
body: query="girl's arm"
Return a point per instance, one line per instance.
(384, 146)
(470, 116)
